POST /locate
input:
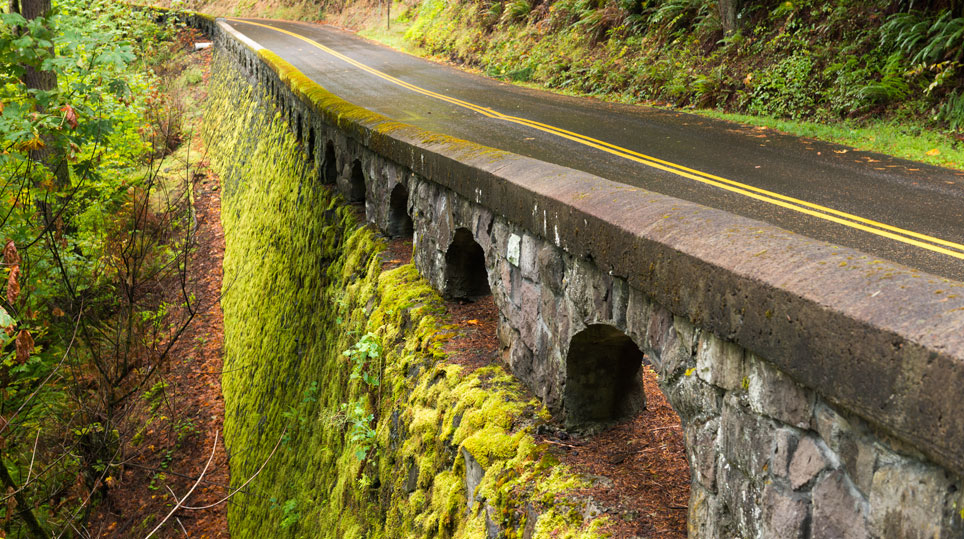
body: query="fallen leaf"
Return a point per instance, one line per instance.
(841, 151)
(934, 151)
(472, 322)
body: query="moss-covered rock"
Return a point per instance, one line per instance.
(371, 443)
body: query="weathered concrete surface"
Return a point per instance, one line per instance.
(818, 388)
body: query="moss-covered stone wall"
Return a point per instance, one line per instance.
(375, 442)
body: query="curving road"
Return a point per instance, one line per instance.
(889, 208)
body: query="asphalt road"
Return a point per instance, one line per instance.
(889, 208)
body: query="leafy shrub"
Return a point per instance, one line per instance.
(788, 89)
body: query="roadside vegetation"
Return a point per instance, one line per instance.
(97, 227)
(882, 75)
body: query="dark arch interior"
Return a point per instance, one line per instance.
(356, 192)
(297, 120)
(603, 377)
(329, 167)
(465, 275)
(311, 141)
(399, 222)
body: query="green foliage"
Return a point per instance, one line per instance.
(73, 155)
(786, 89)
(790, 59)
(924, 38)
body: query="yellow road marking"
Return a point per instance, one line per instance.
(909, 237)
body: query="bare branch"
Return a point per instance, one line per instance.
(180, 502)
(228, 497)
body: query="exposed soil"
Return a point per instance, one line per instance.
(185, 416)
(192, 408)
(643, 460)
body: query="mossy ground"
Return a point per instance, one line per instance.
(302, 284)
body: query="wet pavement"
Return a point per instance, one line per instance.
(889, 208)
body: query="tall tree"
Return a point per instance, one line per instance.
(729, 14)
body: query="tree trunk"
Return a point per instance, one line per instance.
(729, 15)
(51, 156)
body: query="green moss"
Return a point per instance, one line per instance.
(302, 284)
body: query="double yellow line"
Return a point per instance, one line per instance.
(909, 237)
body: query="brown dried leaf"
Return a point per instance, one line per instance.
(10, 255)
(13, 285)
(69, 116)
(24, 346)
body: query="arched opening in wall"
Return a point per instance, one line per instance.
(610, 383)
(329, 166)
(310, 149)
(603, 378)
(399, 222)
(356, 189)
(465, 273)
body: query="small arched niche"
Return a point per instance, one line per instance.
(356, 189)
(399, 222)
(465, 274)
(310, 148)
(329, 166)
(603, 378)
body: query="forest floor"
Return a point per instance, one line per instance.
(183, 413)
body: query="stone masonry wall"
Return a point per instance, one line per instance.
(769, 458)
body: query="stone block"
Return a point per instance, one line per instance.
(620, 302)
(784, 444)
(907, 500)
(741, 498)
(720, 362)
(784, 515)
(839, 511)
(552, 268)
(703, 518)
(773, 393)
(702, 447)
(747, 438)
(528, 255)
(855, 448)
(513, 249)
(473, 477)
(807, 462)
(639, 310)
(673, 359)
(693, 399)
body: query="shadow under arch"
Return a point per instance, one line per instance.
(603, 378)
(356, 189)
(465, 273)
(399, 221)
(329, 170)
